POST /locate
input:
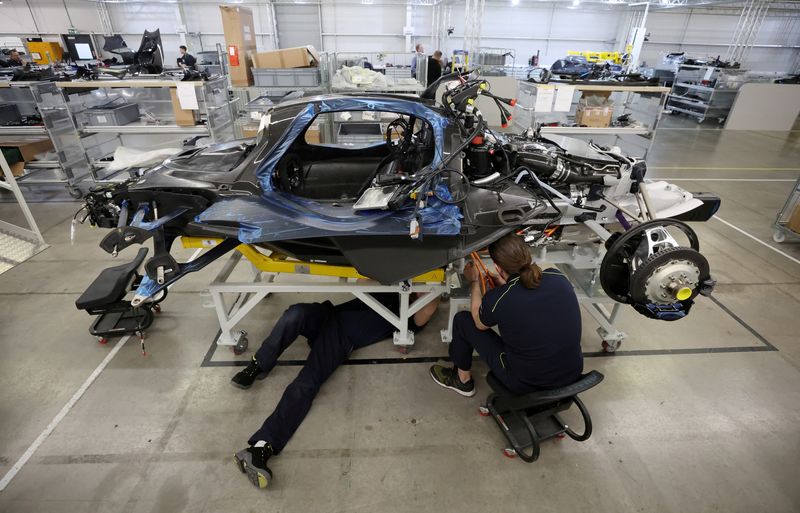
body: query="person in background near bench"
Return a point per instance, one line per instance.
(539, 319)
(186, 60)
(14, 60)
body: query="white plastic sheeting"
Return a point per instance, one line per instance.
(128, 157)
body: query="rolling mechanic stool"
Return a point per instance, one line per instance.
(527, 420)
(105, 297)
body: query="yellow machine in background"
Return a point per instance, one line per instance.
(45, 52)
(612, 57)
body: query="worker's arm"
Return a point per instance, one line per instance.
(475, 305)
(471, 275)
(425, 313)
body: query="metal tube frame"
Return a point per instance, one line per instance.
(251, 293)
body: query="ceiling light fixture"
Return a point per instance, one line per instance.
(514, 2)
(576, 3)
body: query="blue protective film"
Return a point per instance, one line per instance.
(343, 104)
(280, 216)
(277, 215)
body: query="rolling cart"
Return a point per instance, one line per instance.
(788, 220)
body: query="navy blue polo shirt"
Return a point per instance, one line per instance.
(540, 328)
(364, 326)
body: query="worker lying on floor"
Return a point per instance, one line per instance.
(332, 332)
(537, 313)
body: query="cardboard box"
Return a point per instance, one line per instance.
(595, 117)
(240, 41)
(312, 135)
(183, 117)
(21, 149)
(300, 57)
(28, 146)
(794, 221)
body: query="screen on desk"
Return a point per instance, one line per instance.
(84, 51)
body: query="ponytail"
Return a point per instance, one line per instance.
(512, 254)
(530, 276)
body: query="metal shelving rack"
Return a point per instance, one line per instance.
(781, 226)
(21, 95)
(495, 61)
(705, 91)
(644, 103)
(81, 148)
(16, 242)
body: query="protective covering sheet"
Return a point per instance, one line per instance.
(128, 157)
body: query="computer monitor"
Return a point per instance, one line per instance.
(79, 47)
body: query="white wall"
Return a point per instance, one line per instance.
(349, 26)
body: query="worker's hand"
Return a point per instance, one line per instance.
(497, 279)
(470, 272)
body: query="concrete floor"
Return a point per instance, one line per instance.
(699, 415)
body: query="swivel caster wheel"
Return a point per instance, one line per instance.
(508, 452)
(157, 309)
(778, 236)
(403, 349)
(75, 192)
(560, 437)
(102, 340)
(241, 343)
(483, 411)
(610, 346)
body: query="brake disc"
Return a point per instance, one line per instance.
(624, 255)
(668, 276)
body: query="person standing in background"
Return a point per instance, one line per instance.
(434, 67)
(417, 50)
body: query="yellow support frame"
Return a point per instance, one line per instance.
(277, 263)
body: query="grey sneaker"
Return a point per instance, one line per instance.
(448, 378)
(253, 462)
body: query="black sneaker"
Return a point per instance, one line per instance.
(244, 379)
(448, 378)
(253, 462)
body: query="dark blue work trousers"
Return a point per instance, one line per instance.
(467, 337)
(329, 348)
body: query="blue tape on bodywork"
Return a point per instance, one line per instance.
(344, 104)
(277, 215)
(280, 216)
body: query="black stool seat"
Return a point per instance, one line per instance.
(111, 285)
(538, 397)
(528, 419)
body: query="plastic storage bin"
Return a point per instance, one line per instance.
(288, 77)
(9, 114)
(113, 116)
(360, 134)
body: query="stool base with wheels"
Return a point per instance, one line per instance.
(528, 420)
(105, 298)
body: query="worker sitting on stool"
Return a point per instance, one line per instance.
(539, 320)
(332, 332)
(186, 60)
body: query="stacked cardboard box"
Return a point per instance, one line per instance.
(595, 110)
(299, 57)
(240, 40)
